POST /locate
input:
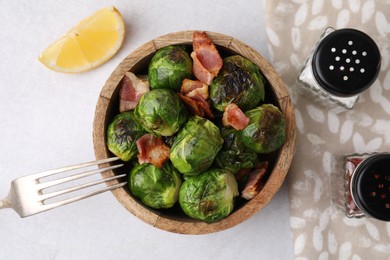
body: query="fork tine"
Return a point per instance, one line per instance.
(70, 168)
(48, 184)
(79, 187)
(53, 205)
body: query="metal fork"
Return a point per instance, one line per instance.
(27, 198)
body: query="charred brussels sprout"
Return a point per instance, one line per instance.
(161, 112)
(210, 196)
(196, 146)
(239, 81)
(168, 67)
(266, 131)
(234, 155)
(122, 134)
(155, 187)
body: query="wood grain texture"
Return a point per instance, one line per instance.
(107, 107)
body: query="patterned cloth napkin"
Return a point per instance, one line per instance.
(320, 229)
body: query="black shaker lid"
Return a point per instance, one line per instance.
(371, 186)
(346, 62)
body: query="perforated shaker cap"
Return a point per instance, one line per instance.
(346, 62)
(370, 186)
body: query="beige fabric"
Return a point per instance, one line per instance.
(320, 230)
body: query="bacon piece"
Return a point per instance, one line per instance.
(152, 149)
(255, 184)
(195, 89)
(198, 107)
(195, 94)
(200, 72)
(207, 61)
(207, 53)
(131, 90)
(234, 117)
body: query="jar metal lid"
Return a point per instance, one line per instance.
(346, 62)
(370, 186)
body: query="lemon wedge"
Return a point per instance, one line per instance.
(89, 44)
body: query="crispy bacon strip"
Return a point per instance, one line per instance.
(195, 94)
(255, 184)
(200, 72)
(207, 61)
(234, 117)
(198, 107)
(152, 149)
(131, 90)
(195, 89)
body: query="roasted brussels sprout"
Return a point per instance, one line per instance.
(266, 130)
(239, 81)
(169, 67)
(209, 196)
(234, 155)
(196, 146)
(122, 134)
(155, 187)
(161, 112)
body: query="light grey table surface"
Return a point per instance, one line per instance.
(46, 122)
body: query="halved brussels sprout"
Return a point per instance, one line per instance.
(239, 81)
(122, 134)
(209, 196)
(266, 131)
(155, 187)
(169, 67)
(196, 146)
(161, 112)
(234, 155)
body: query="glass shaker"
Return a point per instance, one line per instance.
(343, 64)
(366, 186)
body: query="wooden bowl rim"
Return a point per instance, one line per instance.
(282, 162)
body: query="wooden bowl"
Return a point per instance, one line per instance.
(174, 220)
